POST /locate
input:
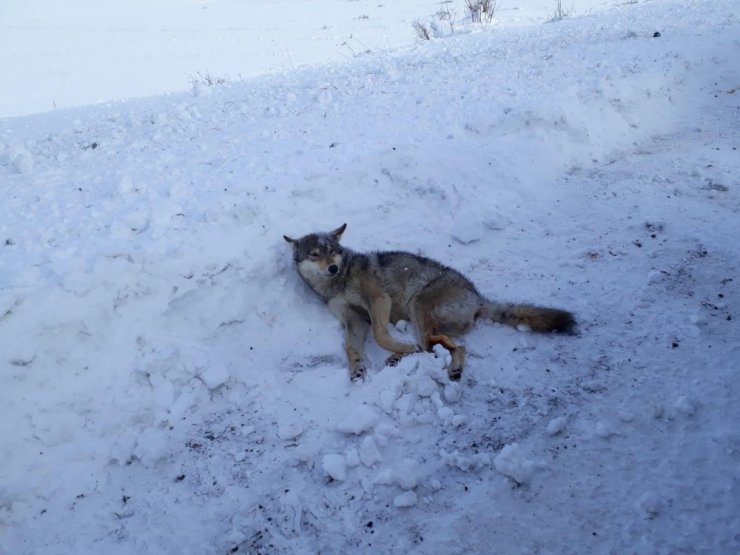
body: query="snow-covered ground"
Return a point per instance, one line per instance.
(62, 53)
(170, 386)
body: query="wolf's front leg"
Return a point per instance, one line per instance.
(355, 334)
(354, 345)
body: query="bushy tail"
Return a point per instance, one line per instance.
(536, 318)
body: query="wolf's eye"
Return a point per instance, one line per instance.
(314, 253)
(332, 252)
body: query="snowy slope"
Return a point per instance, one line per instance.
(63, 53)
(170, 386)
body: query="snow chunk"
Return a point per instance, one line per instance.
(406, 499)
(407, 474)
(605, 430)
(442, 353)
(654, 277)
(290, 429)
(452, 392)
(445, 414)
(436, 400)
(358, 421)
(352, 458)
(335, 466)
(556, 425)
(407, 364)
(151, 446)
(458, 420)
(425, 386)
(383, 432)
(385, 478)
(369, 453)
(512, 462)
(464, 463)
(214, 376)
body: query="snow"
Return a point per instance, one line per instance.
(290, 429)
(358, 421)
(21, 159)
(369, 452)
(512, 462)
(151, 446)
(406, 499)
(168, 383)
(79, 52)
(604, 429)
(649, 503)
(335, 466)
(685, 405)
(557, 425)
(408, 474)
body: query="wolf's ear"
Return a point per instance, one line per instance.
(337, 233)
(289, 240)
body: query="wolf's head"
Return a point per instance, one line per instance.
(319, 254)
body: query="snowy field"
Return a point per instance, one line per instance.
(62, 53)
(169, 385)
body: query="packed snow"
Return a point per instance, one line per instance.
(170, 385)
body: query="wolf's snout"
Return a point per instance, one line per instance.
(333, 269)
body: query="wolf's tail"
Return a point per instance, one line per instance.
(536, 318)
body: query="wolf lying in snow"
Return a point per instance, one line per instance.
(371, 290)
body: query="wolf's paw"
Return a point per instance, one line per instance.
(455, 373)
(358, 374)
(393, 360)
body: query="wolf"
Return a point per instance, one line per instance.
(369, 291)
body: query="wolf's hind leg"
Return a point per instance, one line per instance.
(457, 352)
(441, 311)
(380, 316)
(394, 359)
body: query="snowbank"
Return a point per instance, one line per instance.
(169, 385)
